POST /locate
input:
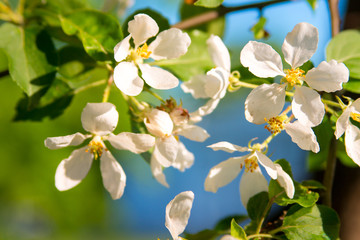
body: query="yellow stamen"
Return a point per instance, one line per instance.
(355, 116)
(250, 164)
(276, 124)
(143, 51)
(294, 76)
(96, 147)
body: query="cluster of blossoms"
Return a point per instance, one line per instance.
(163, 125)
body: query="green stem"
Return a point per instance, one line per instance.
(91, 85)
(263, 235)
(108, 88)
(157, 96)
(329, 173)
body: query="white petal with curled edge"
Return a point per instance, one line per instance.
(184, 158)
(261, 59)
(127, 80)
(307, 106)
(352, 143)
(343, 122)
(300, 44)
(157, 171)
(64, 141)
(223, 173)
(72, 170)
(204, 110)
(99, 118)
(134, 142)
(178, 212)
(121, 50)
(285, 181)
(169, 44)
(166, 150)
(328, 76)
(267, 164)
(227, 147)
(252, 183)
(303, 136)
(142, 28)
(158, 78)
(113, 176)
(265, 101)
(218, 52)
(217, 83)
(193, 132)
(159, 123)
(196, 86)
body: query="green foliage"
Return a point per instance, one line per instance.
(257, 206)
(342, 155)
(196, 61)
(223, 224)
(209, 3)
(316, 222)
(353, 85)
(312, 3)
(345, 48)
(258, 29)
(237, 231)
(31, 57)
(99, 32)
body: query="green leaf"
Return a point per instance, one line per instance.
(204, 234)
(216, 26)
(313, 184)
(51, 104)
(353, 85)
(316, 222)
(258, 29)
(30, 55)
(345, 47)
(324, 133)
(161, 21)
(257, 205)
(99, 32)
(237, 231)
(209, 3)
(225, 223)
(196, 61)
(312, 3)
(303, 196)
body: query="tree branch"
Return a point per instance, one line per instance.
(335, 16)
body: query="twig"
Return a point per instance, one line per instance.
(329, 173)
(335, 17)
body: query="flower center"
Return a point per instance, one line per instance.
(294, 76)
(355, 116)
(138, 55)
(250, 164)
(276, 124)
(96, 147)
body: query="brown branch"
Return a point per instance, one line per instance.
(219, 12)
(335, 16)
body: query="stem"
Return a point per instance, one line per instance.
(263, 235)
(331, 103)
(335, 17)
(91, 85)
(219, 12)
(329, 173)
(108, 88)
(157, 96)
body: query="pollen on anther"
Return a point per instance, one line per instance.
(294, 76)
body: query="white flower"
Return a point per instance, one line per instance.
(267, 101)
(252, 181)
(178, 212)
(214, 84)
(352, 133)
(100, 119)
(168, 44)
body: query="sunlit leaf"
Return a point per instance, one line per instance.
(259, 30)
(237, 231)
(209, 3)
(312, 3)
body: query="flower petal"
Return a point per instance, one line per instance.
(157, 171)
(72, 170)
(134, 142)
(285, 181)
(169, 44)
(265, 101)
(121, 50)
(113, 176)
(159, 123)
(195, 86)
(127, 80)
(228, 237)
(352, 143)
(142, 28)
(328, 76)
(204, 110)
(64, 141)
(223, 173)
(217, 83)
(184, 158)
(158, 78)
(178, 212)
(300, 44)
(252, 183)
(227, 147)
(218, 52)
(307, 106)
(267, 164)
(343, 122)
(261, 59)
(99, 118)
(303, 136)
(193, 132)
(166, 150)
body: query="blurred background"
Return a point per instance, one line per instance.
(32, 208)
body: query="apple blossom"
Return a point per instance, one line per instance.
(168, 44)
(100, 119)
(252, 181)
